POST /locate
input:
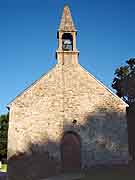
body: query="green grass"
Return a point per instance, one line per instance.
(4, 168)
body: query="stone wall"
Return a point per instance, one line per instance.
(42, 113)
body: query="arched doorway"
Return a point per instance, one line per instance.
(71, 151)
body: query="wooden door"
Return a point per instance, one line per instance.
(70, 152)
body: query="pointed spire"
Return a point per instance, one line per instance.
(66, 20)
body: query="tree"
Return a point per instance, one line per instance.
(124, 82)
(3, 135)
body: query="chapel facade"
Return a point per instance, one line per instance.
(67, 119)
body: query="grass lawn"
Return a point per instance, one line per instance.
(4, 168)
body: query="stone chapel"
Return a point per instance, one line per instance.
(67, 119)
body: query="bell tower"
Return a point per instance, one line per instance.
(66, 35)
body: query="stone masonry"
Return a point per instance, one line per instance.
(41, 115)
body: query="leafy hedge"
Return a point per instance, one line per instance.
(3, 135)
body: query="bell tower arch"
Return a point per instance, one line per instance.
(66, 35)
(67, 42)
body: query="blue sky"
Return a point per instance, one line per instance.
(106, 39)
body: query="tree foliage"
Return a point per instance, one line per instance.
(124, 82)
(3, 135)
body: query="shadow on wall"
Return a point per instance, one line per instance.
(131, 130)
(33, 164)
(103, 128)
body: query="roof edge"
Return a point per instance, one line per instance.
(104, 86)
(27, 88)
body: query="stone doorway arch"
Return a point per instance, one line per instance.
(71, 151)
